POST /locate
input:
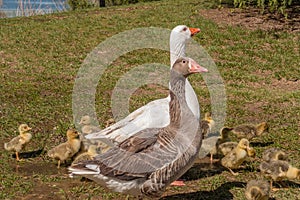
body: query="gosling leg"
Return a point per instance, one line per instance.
(211, 158)
(17, 156)
(232, 172)
(271, 186)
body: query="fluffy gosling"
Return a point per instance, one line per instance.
(249, 131)
(18, 143)
(278, 170)
(237, 156)
(66, 150)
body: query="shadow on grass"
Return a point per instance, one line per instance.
(39, 168)
(261, 144)
(286, 184)
(202, 170)
(30, 154)
(222, 192)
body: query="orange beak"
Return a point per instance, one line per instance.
(194, 31)
(195, 67)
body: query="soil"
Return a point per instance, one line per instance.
(252, 18)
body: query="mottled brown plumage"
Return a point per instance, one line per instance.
(147, 162)
(274, 154)
(249, 131)
(278, 170)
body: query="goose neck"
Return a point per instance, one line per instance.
(177, 85)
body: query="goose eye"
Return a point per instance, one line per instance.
(184, 29)
(183, 61)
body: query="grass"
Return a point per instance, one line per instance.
(40, 57)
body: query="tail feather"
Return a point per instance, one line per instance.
(8, 147)
(50, 153)
(82, 169)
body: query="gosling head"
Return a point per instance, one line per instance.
(72, 134)
(293, 173)
(207, 116)
(24, 128)
(264, 126)
(244, 144)
(85, 120)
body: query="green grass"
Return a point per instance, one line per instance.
(40, 57)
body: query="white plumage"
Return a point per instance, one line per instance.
(156, 113)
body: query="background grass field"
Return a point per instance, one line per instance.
(39, 60)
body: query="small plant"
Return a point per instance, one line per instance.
(279, 5)
(239, 3)
(272, 5)
(80, 4)
(123, 2)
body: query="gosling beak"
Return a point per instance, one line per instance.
(29, 128)
(194, 67)
(78, 134)
(194, 31)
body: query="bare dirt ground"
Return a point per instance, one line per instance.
(251, 18)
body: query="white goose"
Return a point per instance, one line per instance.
(156, 113)
(147, 162)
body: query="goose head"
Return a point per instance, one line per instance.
(184, 31)
(85, 120)
(72, 134)
(178, 38)
(24, 128)
(187, 66)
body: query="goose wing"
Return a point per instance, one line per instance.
(140, 142)
(153, 115)
(136, 157)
